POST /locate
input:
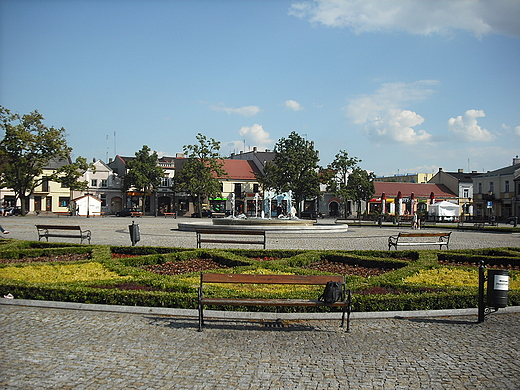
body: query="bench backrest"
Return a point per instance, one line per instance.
(424, 234)
(270, 279)
(58, 227)
(227, 231)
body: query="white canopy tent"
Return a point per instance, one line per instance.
(444, 209)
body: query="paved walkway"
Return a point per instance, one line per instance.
(160, 231)
(59, 348)
(47, 348)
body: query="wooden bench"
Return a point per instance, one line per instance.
(136, 213)
(174, 215)
(405, 220)
(215, 232)
(63, 231)
(60, 213)
(345, 303)
(442, 239)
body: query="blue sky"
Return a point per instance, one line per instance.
(406, 86)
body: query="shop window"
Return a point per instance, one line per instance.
(64, 201)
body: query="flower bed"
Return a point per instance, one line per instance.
(163, 276)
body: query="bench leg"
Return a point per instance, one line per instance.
(201, 312)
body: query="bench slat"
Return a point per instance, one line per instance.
(234, 232)
(268, 302)
(58, 227)
(225, 241)
(424, 234)
(271, 279)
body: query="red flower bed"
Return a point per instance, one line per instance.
(45, 259)
(346, 269)
(184, 266)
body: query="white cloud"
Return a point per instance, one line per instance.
(256, 135)
(243, 111)
(424, 17)
(384, 119)
(293, 105)
(517, 130)
(252, 136)
(466, 127)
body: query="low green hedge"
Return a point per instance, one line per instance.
(181, 290)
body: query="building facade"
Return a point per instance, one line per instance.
(496, 193)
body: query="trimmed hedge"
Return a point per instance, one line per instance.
(181, 290)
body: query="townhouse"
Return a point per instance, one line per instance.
(496, 193)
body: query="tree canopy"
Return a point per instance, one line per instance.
(339, 171)
(360, 186)
(199, 175)
(29, 147)
(143, 173)
(294, 168)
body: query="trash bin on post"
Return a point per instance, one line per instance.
(497, 288)
(135, 235)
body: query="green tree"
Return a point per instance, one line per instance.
(27, 148)
(143, 173)
(360, 186)
(341, 168)
(199, 175)
(295, 168)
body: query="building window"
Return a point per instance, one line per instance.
(64, 201)
(255, 188)
(45, 185)
(165, 182)
(491, 187)
(103, 198)
(238, 190)
(93, 183)
(104, 183)
(465, 193)
(506, 186)
(480, 188)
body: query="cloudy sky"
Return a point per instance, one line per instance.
(406, 86)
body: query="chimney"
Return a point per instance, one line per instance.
(516, 160)
(440, 169)
(460, 170)
(254, 149)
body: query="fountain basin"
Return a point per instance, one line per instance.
(278, 225)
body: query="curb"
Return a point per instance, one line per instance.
(247, 315)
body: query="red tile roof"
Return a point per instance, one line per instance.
(391, 189)
(239, 170)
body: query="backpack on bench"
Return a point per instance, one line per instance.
(333, 292)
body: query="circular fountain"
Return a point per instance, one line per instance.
(286, 225)
(281, 224)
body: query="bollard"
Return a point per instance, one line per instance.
(135, 235)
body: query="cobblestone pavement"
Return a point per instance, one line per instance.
(160, 231)
(45, 348)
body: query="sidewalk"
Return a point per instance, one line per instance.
(51, 348)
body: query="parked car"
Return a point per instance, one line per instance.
(128, 212)
(512, 221)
